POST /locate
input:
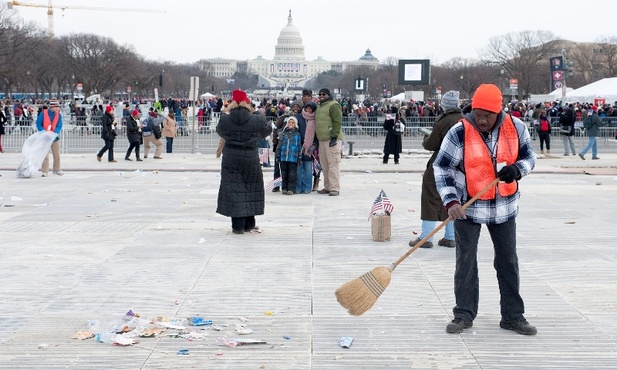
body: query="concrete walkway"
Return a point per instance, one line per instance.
(81, 250)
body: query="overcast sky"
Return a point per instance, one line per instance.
(335, 30)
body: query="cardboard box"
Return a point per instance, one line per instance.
(381, 228)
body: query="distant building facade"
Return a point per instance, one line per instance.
(289, 68)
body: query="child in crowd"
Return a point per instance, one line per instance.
(289, 153)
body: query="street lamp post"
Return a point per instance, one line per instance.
(28, 83)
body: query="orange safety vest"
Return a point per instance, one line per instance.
(479, 167)
(48, 124)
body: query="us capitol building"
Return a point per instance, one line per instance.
(289, 68)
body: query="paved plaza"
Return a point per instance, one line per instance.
(81, 250)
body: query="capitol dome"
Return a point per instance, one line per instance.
(368, 56)
(289, 43)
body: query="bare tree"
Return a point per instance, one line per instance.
(608, 50)
(97, 61)
(519, 54)
(17, 38)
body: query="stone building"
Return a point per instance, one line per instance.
(289, 67)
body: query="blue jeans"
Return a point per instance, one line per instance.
(593, 145)
(305, 177)
(109, 148)
(428, 226)
(170, 143)
(505, 262)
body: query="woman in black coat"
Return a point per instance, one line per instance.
(133, 134)
(241, 192)
(394, 143)
(108, 133)
(3, 120)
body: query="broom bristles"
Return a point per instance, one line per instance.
(361, 293)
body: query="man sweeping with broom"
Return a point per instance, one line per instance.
(485, 144)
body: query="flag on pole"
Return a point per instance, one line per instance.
(381, 204)
(274, 183)
(316, 166)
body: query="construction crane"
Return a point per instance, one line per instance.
(50, 10)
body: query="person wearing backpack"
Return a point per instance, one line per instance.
(544, 132)
(592, 123)
(151, 133)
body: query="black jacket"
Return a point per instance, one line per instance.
(107, 132)
(241, 192)
(133, 134)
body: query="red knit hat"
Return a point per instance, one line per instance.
(487, 97)
(108, 109)
(239, 96)
(135, 112)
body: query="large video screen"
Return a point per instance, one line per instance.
(414, 71)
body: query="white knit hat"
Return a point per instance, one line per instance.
(449, 100)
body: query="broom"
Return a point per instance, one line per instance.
(360, 294)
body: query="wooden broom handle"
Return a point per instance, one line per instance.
(444, 223)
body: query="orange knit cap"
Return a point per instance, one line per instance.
(487, 97)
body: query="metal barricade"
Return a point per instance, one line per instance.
(369, 136)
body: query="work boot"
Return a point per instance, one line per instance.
(446, 243)
(541, 151)
(458, 325)
(426, 244)
(521, 327)
(548, 151)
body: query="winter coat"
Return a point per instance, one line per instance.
(289, 146)
(302, 129)
(329, 121)
(170, 127)
(431, 207)
(394, 142)
(592, 124)
(133, 133)
(152, 124)
(107, 131)
(241, 192)
(567, 122)
(2, 122)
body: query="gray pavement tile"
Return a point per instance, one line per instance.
(96, 242)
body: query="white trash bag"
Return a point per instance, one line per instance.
(35, 148)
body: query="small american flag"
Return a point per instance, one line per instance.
(381, 203)
(316, 166)
(274, 183)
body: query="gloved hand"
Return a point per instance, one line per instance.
(332, 142)
(509, 173)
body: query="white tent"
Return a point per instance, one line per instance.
(207, 95)
(557, 94)
(605, 88)
(400, 97)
